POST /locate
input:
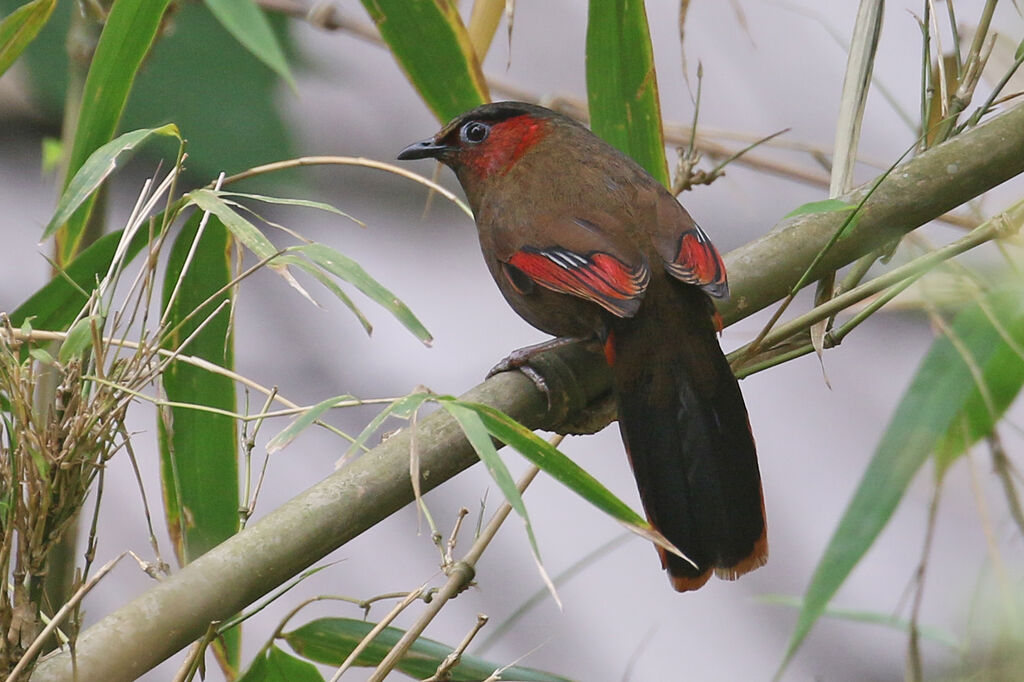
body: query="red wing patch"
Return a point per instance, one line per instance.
(597, 277)
(698, 262)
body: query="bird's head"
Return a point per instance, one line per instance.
(489, 140)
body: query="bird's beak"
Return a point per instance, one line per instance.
(422, 150)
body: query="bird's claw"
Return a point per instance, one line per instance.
(520, 359)
(517, 359)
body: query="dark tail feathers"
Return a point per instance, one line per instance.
(685, 427)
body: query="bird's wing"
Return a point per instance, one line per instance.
(687, 251)
(575, 256)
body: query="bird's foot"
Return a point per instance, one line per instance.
(520, 358)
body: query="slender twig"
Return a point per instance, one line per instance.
(988, 531)
(33, 649)
(976, 59)
(999, 226)
(998, 88)
(444, 670)
(460, 574)
(249, 504)
(1003, 467)
(193, 247)
(913, 671)
(784, 352)
(562, 578)
(449, 549)
(349, 161)
(292, 407)
(372, 634)
(154, 543)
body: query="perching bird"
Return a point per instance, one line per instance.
(584, 243)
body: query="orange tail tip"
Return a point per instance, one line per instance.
(684, 583)
(681, 583)
(757, 559)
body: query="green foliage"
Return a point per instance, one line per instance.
(195, 72)
(622, 87)
(247, 24)
(100, 164)
(969, 376)
(331, 640)
(19, 28)
(155, 73)
(275, 665)
(430, 42)
(199, 449)
(129, 32)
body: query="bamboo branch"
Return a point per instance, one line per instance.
(155, 625)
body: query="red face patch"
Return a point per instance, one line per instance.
(506, 144)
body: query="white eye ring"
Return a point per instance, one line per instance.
(475, 132)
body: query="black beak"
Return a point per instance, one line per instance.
(423, 150)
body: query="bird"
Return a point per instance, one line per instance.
(583, 243)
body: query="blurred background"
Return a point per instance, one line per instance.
(766, 66)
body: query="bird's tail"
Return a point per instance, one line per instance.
(685, 427)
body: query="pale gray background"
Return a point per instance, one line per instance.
(783, 71)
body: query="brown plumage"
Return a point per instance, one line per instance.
(584, 243)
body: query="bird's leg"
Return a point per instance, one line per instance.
(520, 358)
(571, 417)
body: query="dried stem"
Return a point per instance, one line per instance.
(460, 574)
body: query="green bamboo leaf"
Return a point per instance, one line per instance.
(199, 449)
(304, 421)
(307, 203)
(332, 286)
(830, 206)
(20, 27)
(930, 632)
(552, 461)
(480, 438)
(244, 20)
(1000, 381)
(242, 229)
(127, 36)
(430, 43)
(943, 393)
(43, 357)
(275, 665)
(347, 269)
(79, 337)
(622, 88)
(401, 408)
(248, 234)
(331, 640)
(97, 168)
(823, 206)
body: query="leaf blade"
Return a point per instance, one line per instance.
(431, 44)
(554, 463)
(97, 168)
(330, 640)
(19, 29)
(932, 405)
(247, 23)
(199, 449)
(622, 86)
(129, 32)
(347, 269)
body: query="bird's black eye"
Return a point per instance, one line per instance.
(475, 132)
